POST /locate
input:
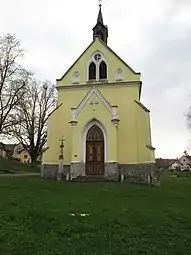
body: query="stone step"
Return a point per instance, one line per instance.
(92, 178)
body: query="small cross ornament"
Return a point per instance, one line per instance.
(62, 142)
(94, 103)
(62, 145)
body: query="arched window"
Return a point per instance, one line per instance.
(92, 71)
(103, 70)
(94, 134)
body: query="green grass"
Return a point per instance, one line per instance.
(124, 218)
(182, 174)
(12, 166)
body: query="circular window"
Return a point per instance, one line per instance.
(97, 56)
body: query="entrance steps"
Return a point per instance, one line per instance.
(93, 178)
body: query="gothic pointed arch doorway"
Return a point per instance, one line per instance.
(95, 151)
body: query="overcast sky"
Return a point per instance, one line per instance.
(152, 36)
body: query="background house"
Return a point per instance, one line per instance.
(175, 165)
(164, 163)
(17, 152)
(23, 156)
(183, 163)
(185, 160)
(9, 150)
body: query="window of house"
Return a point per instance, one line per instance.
(25, 156)
(92, 71)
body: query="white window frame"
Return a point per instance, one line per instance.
(97, 63)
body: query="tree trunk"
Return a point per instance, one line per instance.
(33, 159)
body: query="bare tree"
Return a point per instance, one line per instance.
(12, 79)
(32, 116)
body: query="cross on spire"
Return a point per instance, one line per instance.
(100, 30)
(100, 17)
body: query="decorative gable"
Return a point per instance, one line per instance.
(94, 91)
(92, 54)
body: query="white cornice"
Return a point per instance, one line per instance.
(99, 84)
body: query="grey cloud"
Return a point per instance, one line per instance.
(165, 65)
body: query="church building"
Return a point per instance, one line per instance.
(106, 129)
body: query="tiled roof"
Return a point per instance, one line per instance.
(173, 161)
(164, 162)
(188, 157)
(9, 147)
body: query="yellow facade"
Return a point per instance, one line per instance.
(23, 156)
(112, 103)
(114, 63)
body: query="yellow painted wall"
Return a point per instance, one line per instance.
(100, 113)
(58, 126)
(133, 130)
(144, 135)
(21, 157)
(114, 64)
(133, 133)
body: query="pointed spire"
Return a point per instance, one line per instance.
(100, 17)
(100, 30)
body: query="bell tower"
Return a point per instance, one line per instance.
(100, 30)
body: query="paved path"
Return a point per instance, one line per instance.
(24, 174)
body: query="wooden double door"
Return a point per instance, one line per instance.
(95, 151)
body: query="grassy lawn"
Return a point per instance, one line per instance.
(13, 166)
(124, 218)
